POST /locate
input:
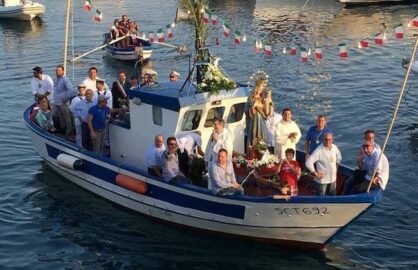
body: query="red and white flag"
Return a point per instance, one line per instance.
(258, 46)
(237, 39)
(205, 17)
(415, 21)
(343, 50)
(318, 53)
(226, 29)
(292, 51)
(303, 55)
(268, 50)
(151, 37)
(98, 16)
(379, 39)
(87, 5)
(214, 19)
(399, 31)
(170, 33)
(160, 35)
(363, 43)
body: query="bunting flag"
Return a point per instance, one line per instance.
(214, 19)
(160, 35)
(87, 5)
(363, 43)
(268, 50)
(415, 21)
(98, 16)
(170, 33)
(378, 39)
(292, 50)
(237, 38)
(303, 55)
(318, 53)
(399, 31)
(226, 29)
(151, 37)
(205, 17)
(258, 46)
(343, 50)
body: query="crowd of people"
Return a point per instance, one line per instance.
(84, 112)
(88, 112)
(122, 27)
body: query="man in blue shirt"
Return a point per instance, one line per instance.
(316, 134)
(63, 92)
(96, 121)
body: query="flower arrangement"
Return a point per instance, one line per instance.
(261, 146)
(240, 161)
(214, 79)
(267, 161)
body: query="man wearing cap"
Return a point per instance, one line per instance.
(174, 76)
(150, 77)
(90, 81)
(42, 84)
(63, 92)
(102, 91)
(77, 123)
(119, 87)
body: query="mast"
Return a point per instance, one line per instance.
(67, 23)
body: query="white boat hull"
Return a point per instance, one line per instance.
(127, 55)
(306, 221)
(24, 12)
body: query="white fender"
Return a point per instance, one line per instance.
(68, 161)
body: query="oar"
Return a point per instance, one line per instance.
(100, 47)
(246, 178)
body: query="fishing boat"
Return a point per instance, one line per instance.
(370, 2)
(175, 108)
(20, 10)
(139, 48)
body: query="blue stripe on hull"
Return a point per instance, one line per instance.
(159, 193)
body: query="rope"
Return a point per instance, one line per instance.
(395, 113)
(72, 39)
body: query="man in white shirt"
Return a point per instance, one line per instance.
(326, 158)
(271, 123)
(287, 134)
(154, 153)
(191, 142)
(42, 84)
(77, 123)
(372, 162)
(81, 111)
(101, 91)
(170, 164)
(221, 138)
(90, 81)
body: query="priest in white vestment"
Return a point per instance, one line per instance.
(287, 134)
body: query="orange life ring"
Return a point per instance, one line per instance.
(131, 183)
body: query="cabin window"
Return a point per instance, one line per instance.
(191, 120)
(214, 113)
(236, 113)
(157, 115)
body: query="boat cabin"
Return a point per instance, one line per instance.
(11, 3)
(171, 109)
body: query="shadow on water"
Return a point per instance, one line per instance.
(113, 237)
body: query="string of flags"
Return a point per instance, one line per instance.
(265, 47)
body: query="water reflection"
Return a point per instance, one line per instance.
(103, 234)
